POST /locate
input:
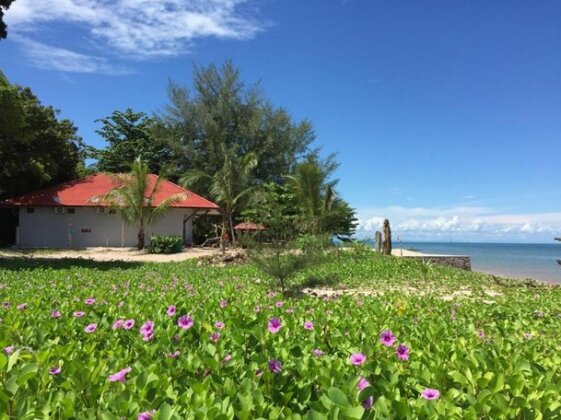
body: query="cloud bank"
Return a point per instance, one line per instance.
(134, 29)
(460, 224)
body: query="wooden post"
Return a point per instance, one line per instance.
(387, 245)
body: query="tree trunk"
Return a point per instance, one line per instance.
(224, 231)
(232, 231)
(387, 245)
(140, 244)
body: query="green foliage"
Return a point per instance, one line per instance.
(129, 135)
(164, 244)
(37, 149)
(228, 185)
(319, 208)
(223, 112)
(134, 198)
(512, 370)
(4, 5)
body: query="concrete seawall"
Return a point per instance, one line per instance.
(457, 261)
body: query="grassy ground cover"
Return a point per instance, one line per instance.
(82, 339)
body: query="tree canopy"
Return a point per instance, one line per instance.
(221, 110)
(4, 5)
(129, 134)
(36, 148)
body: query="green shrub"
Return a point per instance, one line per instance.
(163, 244)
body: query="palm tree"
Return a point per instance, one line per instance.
(228, 186)
(134, 197)
(311, 187)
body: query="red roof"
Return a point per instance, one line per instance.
(248, 226)
(85, 192)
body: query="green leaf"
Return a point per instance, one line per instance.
(338, 397)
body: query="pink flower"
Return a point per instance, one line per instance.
(148, 336)
(317, 352)
(275, 366)
(128, 324)
(173, 355)
(274, 325)
(147, 327)
(185, 322)
(89, 301)
(219, 325)
(55, 314)
(118, 324)
(367, 403)
(289, 310)
(120, 376)
(22, 306)
(214, 336)
(227, 358)
(271, 294)
(357, 359)
(279, 303)
(402, 352)
(121, 304)
(9, 349)
(257, 308)
(308, 325)
(223, 303)
(430, 394)
(90, 328)
(5, 305)
(387, 338)
(54, 371)
(79, 314)
(146, 415)
(362, 383)
(171, 310)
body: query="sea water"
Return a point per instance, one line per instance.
(533, 261)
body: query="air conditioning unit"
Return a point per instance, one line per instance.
(59, 210)
(102, 210)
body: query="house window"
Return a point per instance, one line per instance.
(86, 230)
(71, 211)
(30, 210)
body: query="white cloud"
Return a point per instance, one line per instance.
(139, 29)
(53, 58)
(460, 223)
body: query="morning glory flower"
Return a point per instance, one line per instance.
(89, 301)
(118, 324)
(317, 352)
(402, 352)
(147, 327)
(185, 322)
(430, 394)
(387, 338)
(120, 376)
(171, 310)
(219, 325)
(357, 359)
(362, 383)
(55, 314)
(90, 328)
(274, 325)
(275, 366)
(146, 415)
(54, 371)
(128, 324)
(79, 314)
(308, 325)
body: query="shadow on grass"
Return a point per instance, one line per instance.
(24, 263)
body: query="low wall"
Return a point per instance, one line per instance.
(457, 261)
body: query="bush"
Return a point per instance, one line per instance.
(162, 244)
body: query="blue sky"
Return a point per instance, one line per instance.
(446, 114)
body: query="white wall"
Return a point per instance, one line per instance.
(45, 229)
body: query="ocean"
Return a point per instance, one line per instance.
(533, 261)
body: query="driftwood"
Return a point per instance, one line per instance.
(387, 244)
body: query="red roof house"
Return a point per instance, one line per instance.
(73, 214)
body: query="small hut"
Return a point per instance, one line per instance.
(247, 228)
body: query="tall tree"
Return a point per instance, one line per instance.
(320, 209)
(221, 110)
(229, 185)
(4, 5)
(129, 135)
(36, 149)
(134, 198)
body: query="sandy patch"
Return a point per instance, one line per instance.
(113, 254)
